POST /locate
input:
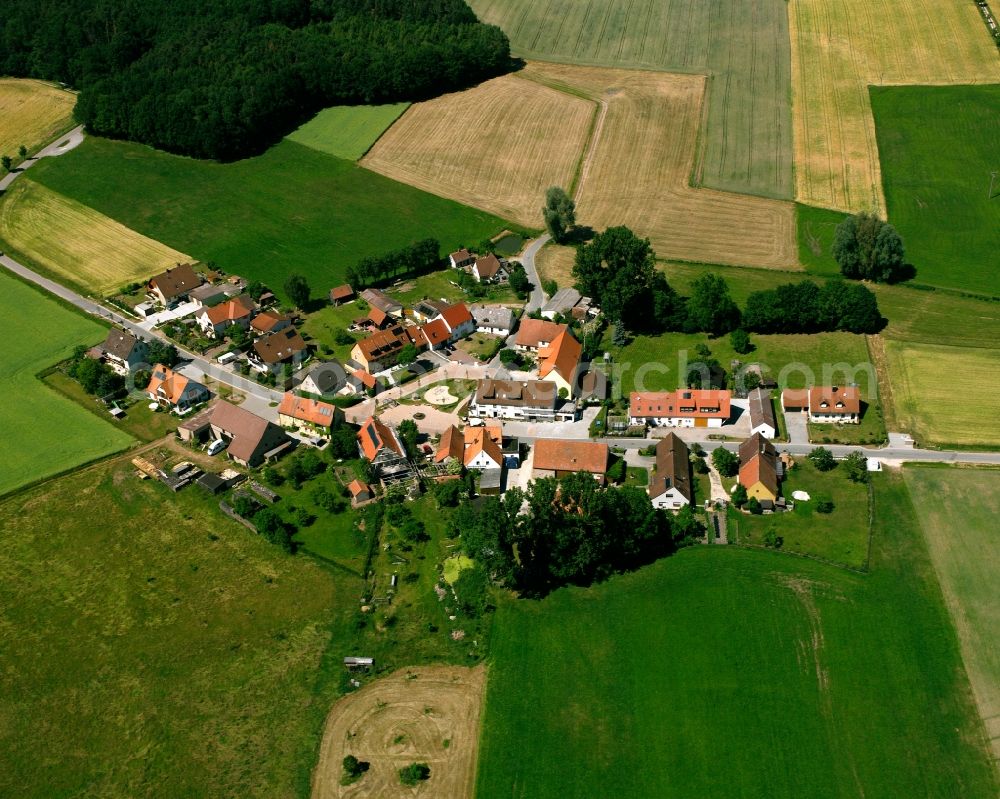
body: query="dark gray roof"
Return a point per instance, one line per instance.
(120, 343)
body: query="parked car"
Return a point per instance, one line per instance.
(216, 447)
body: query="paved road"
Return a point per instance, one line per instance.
(61, 145)
(537, 297)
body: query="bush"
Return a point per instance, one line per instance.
(727, 463)
(617, 471)
(740, 496)
(353, 769)
(856, 466)
(414, 773)
(740, 341)
(772, 539)
(753, 505)
(824, 506)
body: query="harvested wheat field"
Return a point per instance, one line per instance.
(497, 146)
(421, 715)
(637, 168)
(555, 262)
(32, 113)
(77, 243)
(839, 48)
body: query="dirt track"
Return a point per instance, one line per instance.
(404, 718)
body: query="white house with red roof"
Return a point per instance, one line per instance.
(688, 407)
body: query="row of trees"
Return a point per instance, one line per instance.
(223, 79)
(415, 259)
(617, 269)
(573, 532)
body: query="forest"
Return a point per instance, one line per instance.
(225, 79)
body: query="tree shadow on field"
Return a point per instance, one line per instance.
(578, 235)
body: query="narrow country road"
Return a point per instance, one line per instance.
(63, 144)
(537, 297)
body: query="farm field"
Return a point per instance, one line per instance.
(76, 244)
(958, 509)
(838, 50)
(44, 432)
(750, 649)
(746, 135)
(347, 131)
(291, 209)
(941, 395)
(32, 113)
(167, 651)
(423, 715)
(497, 146)
(937, 147)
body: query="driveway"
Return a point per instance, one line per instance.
(797, 426)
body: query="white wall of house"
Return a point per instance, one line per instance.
(671, 421)
(834, 418)
(671, 499)
(483, 461)
(764, 429)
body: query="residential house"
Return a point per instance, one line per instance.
(252, 440)
(531, 400)
(360, 491)
(209, 294)
(123, 351)
(341, 294)
(174, 285)
(435, 334)
(308, 415)
(175, 391)
(379, 299)
(363, 382)
(425, 310)
(490, 269)
(593, 386)
(759, 468)
(557, 458)
(461, 258)
(381, 446)
(533, 334)
(560, 362)
(215, 321)
(825, 404)
(380, 350)
(451, 445)
(688, 407)
(324, 379)
(496, 320)
(276, 349)
(270, 322)
(378, 320)
(568, 302)
(476, 448)
(459, 321)
(670, 485)
(762, 413)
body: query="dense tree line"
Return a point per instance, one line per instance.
(617, 269)
(415, 259)
(224, 79)
(574, 532)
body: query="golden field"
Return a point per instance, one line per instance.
(32, 113)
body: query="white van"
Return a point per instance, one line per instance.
(227, 357)
(216, 447)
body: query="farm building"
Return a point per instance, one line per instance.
(341, 294)
(670, 484)
(531, 400)
(175, 391)
(568, 302)
(683, 408)
(762, 413)
(759, 468)
(174, 285)
(252, 440)
(838, 404)
(556, 458)
(308, 415)
(379, 299)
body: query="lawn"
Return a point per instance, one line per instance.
(941, 395)
(839, 49)
(694, 676)
(292, 209)
(746, 141)
(938, 147)
(32, 113)
(636, 476)
(165, 651)
(958, 509)
(347, 131)
(840, 536)
(44, 433)
(77, 245)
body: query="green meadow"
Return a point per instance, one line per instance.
(44, 432)
(292, 209)
(347, 131)
(738, 673)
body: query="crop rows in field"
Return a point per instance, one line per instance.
(32, 113)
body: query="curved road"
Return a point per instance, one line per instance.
(537, 297)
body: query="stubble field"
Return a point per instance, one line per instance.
(839, 48)
(746, 138)
(497, 146)
(77, 244)
(32, 113)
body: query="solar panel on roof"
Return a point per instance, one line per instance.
(373, 437)
(326, 411)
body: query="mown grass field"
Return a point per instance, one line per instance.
(44, 433)
(497, 146)
(76, 244)
(746, 138)
(944, 395)
(166, 651)
(292, 209)
(839, 48)
(347, 131)
(692, 677)
(937, 147)
(958, 509)
(32, 113)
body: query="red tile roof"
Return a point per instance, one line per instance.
(367, 379)
(456, 315)
(759, 464)
(230, 311)
(570, 456)
(835, 400)
(488, 439)
(375, 436)
(357, 487)
(343, 292)
(436, 332)
(534, 332)
(452, 445)
(686, 403)
(561, 356)
(321, 414)
(173, 384)
(265, 321)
